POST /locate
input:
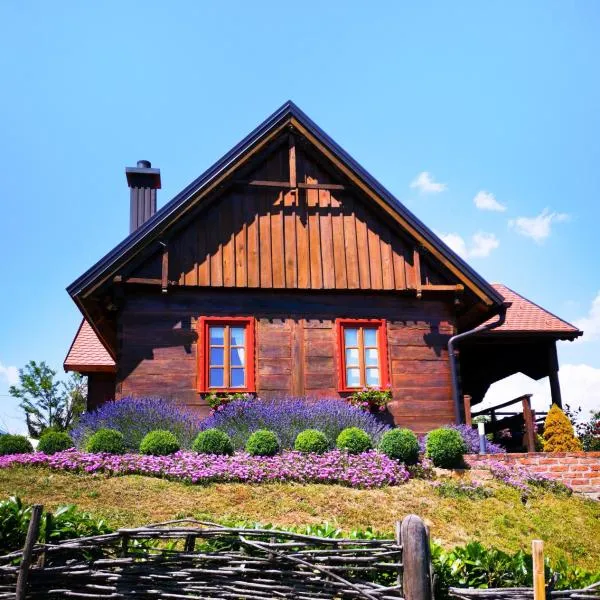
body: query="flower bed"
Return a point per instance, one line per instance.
(367, 470)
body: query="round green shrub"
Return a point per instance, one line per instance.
(106, 440)
(400, 444)
(14, 444)
(311, 440)
(445, 447)
(52, 442)
(159, 443)
(213, 441)
(354, 440)
(262, 443)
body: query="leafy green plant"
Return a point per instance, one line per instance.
(262, 443)
(106, 440)
(52, 442)
(311, 440)
(216, 400)
(371, 398)
(14, 444)
(159, 443)
(401, 444)
(459, 489)
(213, 441)
(445, 447)
(354, 440)
(65, 523)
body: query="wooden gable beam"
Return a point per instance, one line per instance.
(164, 281)
(292, 159)
(418, 281)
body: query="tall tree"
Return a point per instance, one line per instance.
(46, 401)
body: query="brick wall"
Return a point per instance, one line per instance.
(580, 470)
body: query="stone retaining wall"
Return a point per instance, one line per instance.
(579, 470)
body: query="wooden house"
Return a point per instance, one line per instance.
(287, 270)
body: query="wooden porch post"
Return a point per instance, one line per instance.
(467, 404)
(553, 375)
(529, 418)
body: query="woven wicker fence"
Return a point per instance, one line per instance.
(192, 559)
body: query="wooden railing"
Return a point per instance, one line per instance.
(529, 417)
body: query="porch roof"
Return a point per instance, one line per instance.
(87, 353)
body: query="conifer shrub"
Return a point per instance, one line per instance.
(400, 444)
(445, 447)
(263, 443)
(559, 435)
(159, 442)
(52, 442)
(354, 440)
(311, 440)
(14, 444)
(106, 440)
(213, 441)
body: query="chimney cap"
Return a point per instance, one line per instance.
(143, 175)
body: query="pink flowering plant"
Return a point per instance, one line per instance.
(367, 470)
(218, 401)
(372, 399)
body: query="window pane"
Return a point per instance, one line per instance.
(352, 357)
(216, 357)
(372, 376)
(216, 378)
(350, 336)
(353, 377)
(237, 357)
(237, 336)
(217, 336)
(372, 357)
(370, 337)
(237, 378)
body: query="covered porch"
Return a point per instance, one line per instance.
(524, 343)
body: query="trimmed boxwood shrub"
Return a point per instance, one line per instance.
(52, 442)
(311, 440)
(354, 440)
(445, 447)
(14, 444)
(213, 441)
(400, 444)
(262, 443)
(106, 440)
(159, 443)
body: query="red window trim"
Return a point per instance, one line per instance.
(383, 350)
(202, 327)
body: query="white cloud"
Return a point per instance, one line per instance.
(537, 228)
(590, 325)
(480, 245)
(579, 384)
(487, 201)
(425, 184)
(10, 374)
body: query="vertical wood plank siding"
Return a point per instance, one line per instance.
(267, 237)
(296, 350)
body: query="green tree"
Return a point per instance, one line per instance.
(47, 402)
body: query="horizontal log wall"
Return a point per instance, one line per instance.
(296, 347)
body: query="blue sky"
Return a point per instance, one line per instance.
(500, 98)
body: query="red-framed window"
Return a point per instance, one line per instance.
(362, 352)
(226, 354)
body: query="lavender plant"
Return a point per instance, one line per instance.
(287, 417)
(136, 417)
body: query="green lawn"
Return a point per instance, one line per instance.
(570, 526)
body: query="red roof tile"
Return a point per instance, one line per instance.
(87, 352)
(526, 316)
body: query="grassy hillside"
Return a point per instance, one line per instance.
(570, 526)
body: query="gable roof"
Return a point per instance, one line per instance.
(286, 114)
(524, 316)
(87, 353)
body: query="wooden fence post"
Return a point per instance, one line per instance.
(539, 585)
(416, 559)
(467, 403)
(32, 535)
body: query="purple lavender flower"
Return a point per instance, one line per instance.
(135, 417)
(287, 417)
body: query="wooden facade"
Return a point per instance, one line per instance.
(296, 346)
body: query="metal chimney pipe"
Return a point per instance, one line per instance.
(143, 181)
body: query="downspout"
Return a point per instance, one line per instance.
(459, 337)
